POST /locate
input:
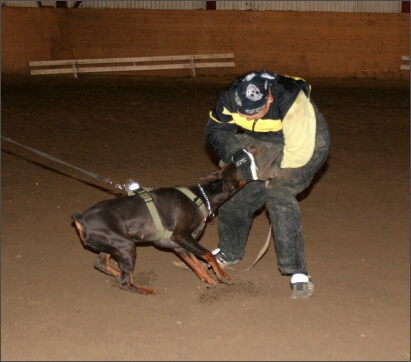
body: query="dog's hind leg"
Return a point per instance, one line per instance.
(126, 260)
(103, 264)
(103, 260)
(195, 265)
(126, 283)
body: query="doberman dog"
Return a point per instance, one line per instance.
(114, 227)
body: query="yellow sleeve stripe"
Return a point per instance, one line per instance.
(261, 125)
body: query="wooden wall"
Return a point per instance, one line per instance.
(307, 44)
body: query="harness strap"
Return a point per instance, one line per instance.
(143, 193)
(197, 200)
(160, 232)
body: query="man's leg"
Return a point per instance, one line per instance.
(283, 207)
(285, 215)
(235, 217)
(284, 211)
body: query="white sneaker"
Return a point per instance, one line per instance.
(302, 286)
(222, 259)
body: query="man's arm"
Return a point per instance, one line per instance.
(299, 126)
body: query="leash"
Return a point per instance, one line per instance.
(115, 185)
(259, 256)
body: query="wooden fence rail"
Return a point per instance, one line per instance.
(191, 62)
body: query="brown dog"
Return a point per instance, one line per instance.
(114, 227)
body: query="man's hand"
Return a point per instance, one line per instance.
(245, 164)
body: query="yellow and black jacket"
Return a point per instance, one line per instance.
(290, 121)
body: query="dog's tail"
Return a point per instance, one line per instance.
(77, 222)
(76, 217)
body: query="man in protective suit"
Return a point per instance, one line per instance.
(274, 115)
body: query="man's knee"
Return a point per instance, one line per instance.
(279, 194)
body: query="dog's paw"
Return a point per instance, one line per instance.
(225, 280)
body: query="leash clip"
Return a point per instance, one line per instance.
(131, 186)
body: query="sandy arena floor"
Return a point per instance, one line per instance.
(56, 306)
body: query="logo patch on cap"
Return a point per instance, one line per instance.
(253, 93)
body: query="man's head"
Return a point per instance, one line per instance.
(252, 94)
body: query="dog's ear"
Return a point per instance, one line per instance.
(231, 180)
(211, 176)
(252, 150)
(228, 172)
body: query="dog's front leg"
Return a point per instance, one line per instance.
(221, 275)
(195, 265)
(190, 250)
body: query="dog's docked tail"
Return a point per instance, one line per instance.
(77, 218)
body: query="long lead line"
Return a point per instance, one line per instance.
(116, 185)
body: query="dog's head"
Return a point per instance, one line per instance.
(226, 180)
(231, 180)
(222, 184)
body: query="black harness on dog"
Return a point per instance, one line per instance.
(160, 232)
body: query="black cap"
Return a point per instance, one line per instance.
(252, 93)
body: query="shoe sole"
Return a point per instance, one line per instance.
(302, 290)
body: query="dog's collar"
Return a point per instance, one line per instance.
(210, 212)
